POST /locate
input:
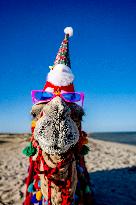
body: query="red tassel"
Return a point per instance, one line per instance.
(28, 181)
(28, 200)
(49, 192)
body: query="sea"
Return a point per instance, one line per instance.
(120, 137)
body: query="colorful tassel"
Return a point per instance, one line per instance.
(29, 150)
(33, 124)
(40, 202)
(75, 197)
(80, 169)
(78, 184)
(39, 195)
(46, 202)
(87, 189)
(28, 200)
(39, 183)
(85, 149)
(30, 188)
(33, 199)
(85, 141)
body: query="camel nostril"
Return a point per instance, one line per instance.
(55, 146)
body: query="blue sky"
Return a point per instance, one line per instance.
(103, 58)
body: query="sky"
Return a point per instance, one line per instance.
(102, 51)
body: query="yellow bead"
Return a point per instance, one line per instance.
(38, 195)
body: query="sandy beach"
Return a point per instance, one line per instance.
(112, 168)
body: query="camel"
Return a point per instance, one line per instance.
(63, 176)
(57, 173)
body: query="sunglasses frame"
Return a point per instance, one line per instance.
(34, 100)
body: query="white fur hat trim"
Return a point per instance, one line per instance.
(61, 75)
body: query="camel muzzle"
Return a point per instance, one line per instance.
(55, 131)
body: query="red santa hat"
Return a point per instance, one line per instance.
(60, 77)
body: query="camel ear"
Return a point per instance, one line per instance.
(77, 112)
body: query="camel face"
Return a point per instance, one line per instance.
(57, 131)
(57, 125)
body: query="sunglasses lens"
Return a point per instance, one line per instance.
(43, 95)
(72, 97)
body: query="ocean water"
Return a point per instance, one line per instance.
(120, 137)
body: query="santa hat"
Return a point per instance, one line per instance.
(60, 77)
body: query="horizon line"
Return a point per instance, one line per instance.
(20, 133)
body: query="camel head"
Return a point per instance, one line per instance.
(57, 125)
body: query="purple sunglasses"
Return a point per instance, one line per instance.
(43, 96)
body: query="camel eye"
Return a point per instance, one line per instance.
(33, 114)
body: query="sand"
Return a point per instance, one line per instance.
(112, 168)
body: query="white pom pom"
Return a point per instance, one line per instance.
(68, 30)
